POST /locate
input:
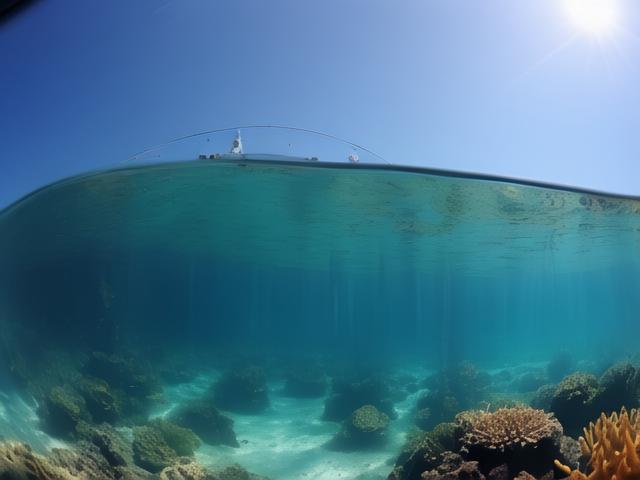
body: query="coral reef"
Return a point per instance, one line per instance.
(305, 382)
(242, 390)
(206, 422)
(351, 393)
(365, 428)
(575, 401)
(521, 437)
(612, 445)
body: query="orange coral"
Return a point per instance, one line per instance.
(612, 443)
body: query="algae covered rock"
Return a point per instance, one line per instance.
(575, 401)
(620, 387)
(441, 405)
(242, 390)
(365, 428)
(136, 388)
(203, 418)
(424, 451)
(101, 403)
(19, 462)
(61, 411)
(186, 471)
(151, 451)
(111, 444)
(182, 440)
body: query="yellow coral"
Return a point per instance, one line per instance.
(612, 443)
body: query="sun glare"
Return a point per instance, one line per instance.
(596, 17)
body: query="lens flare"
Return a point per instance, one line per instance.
(597, 17)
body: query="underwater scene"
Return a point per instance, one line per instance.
(268, 318)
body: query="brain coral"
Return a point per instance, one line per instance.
(612, 443)
(509, 428)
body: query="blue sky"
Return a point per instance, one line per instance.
(495, 86)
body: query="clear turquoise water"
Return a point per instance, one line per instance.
(383, 267)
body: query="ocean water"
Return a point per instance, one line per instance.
(322, 287)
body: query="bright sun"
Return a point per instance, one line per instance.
(596, 17)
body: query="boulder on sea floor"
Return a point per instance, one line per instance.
(620, 387)
(101, 402)
(19, 462)
(575, 401)
(242, 390)
(424, 451)
(206, 421)
(352, 392)
(365, 428)
(112, 445)
(305, 382)
(161, 443)
(61, 411)
(135, 388)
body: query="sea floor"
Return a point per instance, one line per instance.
(287, 440)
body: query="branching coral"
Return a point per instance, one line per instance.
(612, 443)
(510, 427)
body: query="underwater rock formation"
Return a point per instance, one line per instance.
(349, 394)
(204, 419)
(424, 451)
(523, 438)
(19, 462)
(454, 389)
(242, 390)
(151, 451)
(182, 440)
(111, 444)
(575, 400)
(101, 403)
(365, 428)
(135, 388)
(188, 470)
(306, 382)
(61, 411)
(620, 386)
(612, 445)
(462, 381)
(453, 467)
(442, 407)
